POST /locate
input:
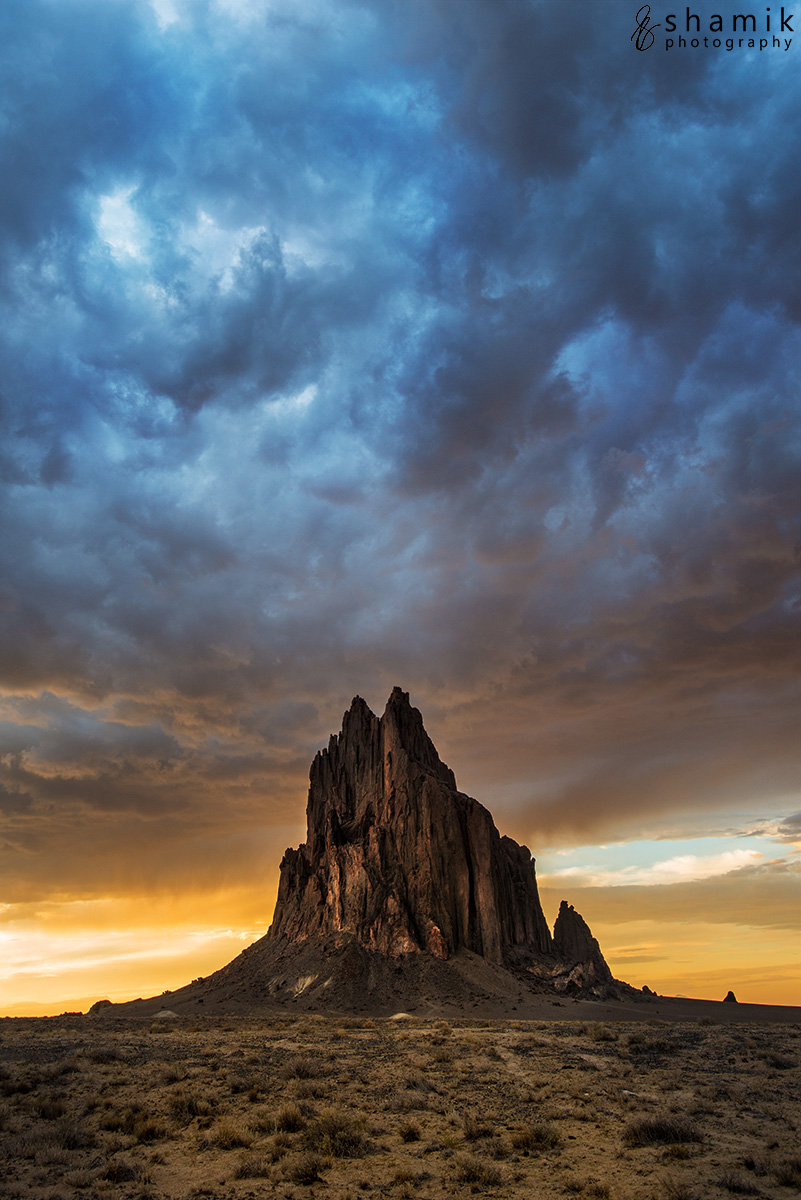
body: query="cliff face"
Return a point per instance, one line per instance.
(400, 859)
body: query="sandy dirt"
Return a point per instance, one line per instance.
(298, 1106)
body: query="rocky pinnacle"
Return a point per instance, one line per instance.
(398, 858)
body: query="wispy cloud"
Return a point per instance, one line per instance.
(678, 869)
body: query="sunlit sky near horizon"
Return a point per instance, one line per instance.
(447, 344)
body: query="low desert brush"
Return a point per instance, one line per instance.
(538, 1136)
(252, 1166)
(409, 1131)
(228, 1136)
(300, 1066)
(336, 1134)
(476, 1171)
(304, 1168)
(650, 1131)
(289, 1118)
(474, 1129)
(788, 1172)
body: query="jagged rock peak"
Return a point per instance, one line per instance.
(573, 943)
(398, 858)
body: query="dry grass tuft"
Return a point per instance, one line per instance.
(300, 1066)
(536, 1137)
(337, 1134)
(253, 1166)
(304, 1168)
(788, 1173)
(289, 1118)
(228, 1136)
(650, 1131)
(477, 1172)
(409, 1131)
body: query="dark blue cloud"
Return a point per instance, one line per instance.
(447, 344)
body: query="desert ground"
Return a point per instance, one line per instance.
(291, 1106)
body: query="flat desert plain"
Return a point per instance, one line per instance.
(231, 1108)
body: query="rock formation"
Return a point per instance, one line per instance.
(397, 857)
(573, 943)
(404, 896)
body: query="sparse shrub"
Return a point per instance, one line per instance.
(252, 1166)
(18, 1085)
(240, 1083)
(527, 1046)
(300, 1066)
(416, 1082)
(599, 1190)
(738, 1185)
(147, 1129)
(71, 1136)
(120, 1171)
(409, 1131)
(779, 1062)
(649, 1131)
(336, 1134)
(281, 1143)
(304, 1168)
(474, 1129)
(677, 1189)
(601, 1033)
(472, 1170)
(536, 1137)
(289, 1118)
(105, 1054)
(185, 1106)
(231, 1137)
(173, 1073)
(49, 1108)
(679, 1151)
(309, 1089)
(80, 1179)
(760, 1166)
(788, 1172)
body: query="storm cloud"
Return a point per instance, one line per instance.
(445, 343)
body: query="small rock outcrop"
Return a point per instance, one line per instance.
(730, 998)
(400, 859)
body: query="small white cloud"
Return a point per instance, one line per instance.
(680, 869)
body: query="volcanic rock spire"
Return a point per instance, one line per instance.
(399, 859)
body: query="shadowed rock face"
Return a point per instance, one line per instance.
(573, 943)
(400, 859)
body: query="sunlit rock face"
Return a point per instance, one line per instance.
(400, 859)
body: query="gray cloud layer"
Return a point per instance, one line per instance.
(446, 344)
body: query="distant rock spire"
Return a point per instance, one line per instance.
(573, 943)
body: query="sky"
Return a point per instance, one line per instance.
(446, 344)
